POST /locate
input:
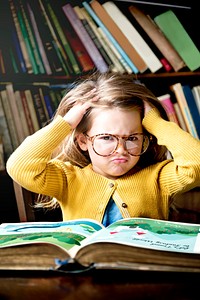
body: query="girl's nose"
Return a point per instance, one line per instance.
(121, 148)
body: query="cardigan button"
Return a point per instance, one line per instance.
(111, 185)
(124, 205)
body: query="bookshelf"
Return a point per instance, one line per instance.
(59, 63)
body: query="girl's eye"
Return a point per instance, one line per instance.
(107, 137)
(132, 138)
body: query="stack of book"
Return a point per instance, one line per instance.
(70, 39)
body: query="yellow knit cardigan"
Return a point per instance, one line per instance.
(82, 193)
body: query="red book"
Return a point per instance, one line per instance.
(81, 53)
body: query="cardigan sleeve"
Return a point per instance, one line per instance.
(31, 166)
(184, 168)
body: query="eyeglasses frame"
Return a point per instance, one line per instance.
(91, 139)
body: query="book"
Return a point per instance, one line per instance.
(123, 55)
(175, 32)
(31, 107)
(40, 106)
(169, 107)
(15, 113)
(84, 244)
(180, 97)
(31, 37)
(9, 119)
(158, 38)
(39, 41)
(5, 134)
(180, 116)
(85, 38)
(24, 51)
(133, 36)
(54, 48)
(56, 21)
(79, 50)
(25, 36)
(92, 33)
(113, 62)
(196, 94)
(2, 161)
(50, 50)
(118, 34)
(22, 112)
(115, 56)
(27, 112)
(192, 106)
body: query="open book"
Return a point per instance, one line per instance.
(83, 244)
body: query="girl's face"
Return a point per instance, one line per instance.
(117, 122)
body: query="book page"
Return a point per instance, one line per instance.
(63, 234)
(151, 234)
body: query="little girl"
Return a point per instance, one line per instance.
(104, 155)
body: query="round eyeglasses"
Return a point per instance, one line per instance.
(105, 144)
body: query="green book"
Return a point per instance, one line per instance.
(179, 38)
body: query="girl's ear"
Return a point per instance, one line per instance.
(82, 141)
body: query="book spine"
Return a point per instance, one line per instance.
(110, 37)
(119, 36)
(18, 51)
(21, 112)
(41, 93)
(64, 40)
(179, 38)
(82, 55)
(15, 112)
(90, 30)
(39, 41)
(21, 39)
(54, 39)
(4, 132)
(158, 38)
(31, 108)
(192, 106)
(2, 161)
(118, 61)
(9, 119)
(53, 54)
(114, 64)
(2, 63)
(133, 36)
(39, 108)
(27, 112)
(85, 38)
(169, 107)
(49, 105)
(196, 94)
(180, 97)
(180, 116)
(31, 38)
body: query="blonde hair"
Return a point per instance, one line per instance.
(113, 90)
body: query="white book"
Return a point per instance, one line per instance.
(180, 98)
(9, 118)
(196, 93)
(180, 116)
(4, 132)
(21, 112)
(15, 113)
(133, 36)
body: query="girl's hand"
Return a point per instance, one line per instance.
(76, 113)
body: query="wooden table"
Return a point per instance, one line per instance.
(99, 285)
